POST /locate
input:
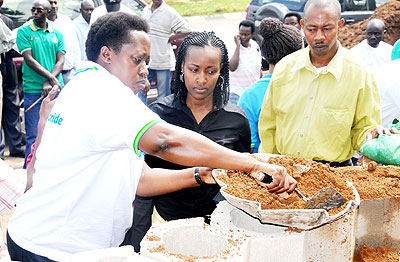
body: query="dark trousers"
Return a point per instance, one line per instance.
(141, 223)
(11, 130)
(17, 253)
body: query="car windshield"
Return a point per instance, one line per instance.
(293, 5)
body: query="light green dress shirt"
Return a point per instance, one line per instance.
(321, 116)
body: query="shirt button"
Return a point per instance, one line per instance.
(298, 153)
(311, 97)
(301, 135)
(306, 116)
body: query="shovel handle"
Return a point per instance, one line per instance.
(301, 195)
(264, 178)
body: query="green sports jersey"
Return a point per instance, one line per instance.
(44, 45)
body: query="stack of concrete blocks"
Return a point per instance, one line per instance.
(236, 236)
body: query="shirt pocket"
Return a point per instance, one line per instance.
(337, 123)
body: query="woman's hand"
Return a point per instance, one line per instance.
(281, 181)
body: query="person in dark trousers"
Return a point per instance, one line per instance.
(11, 123)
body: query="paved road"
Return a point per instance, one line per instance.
(224, 26)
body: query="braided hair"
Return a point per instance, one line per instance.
(112, 30)
(203, 39)
(279, 40)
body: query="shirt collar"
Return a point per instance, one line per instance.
(36, 28)
(334, 67)
(158, 8)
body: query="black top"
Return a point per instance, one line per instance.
(227, 126)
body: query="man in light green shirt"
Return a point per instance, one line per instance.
(320, 104)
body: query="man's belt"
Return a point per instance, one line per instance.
(336, 164)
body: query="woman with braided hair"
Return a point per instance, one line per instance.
(279, 40)
(200, 103)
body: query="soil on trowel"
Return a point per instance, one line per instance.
(388, 12)
(310, 182)
(380, 254)
(381, 182)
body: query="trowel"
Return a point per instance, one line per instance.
(327, 198)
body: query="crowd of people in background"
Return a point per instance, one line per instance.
(316, 100)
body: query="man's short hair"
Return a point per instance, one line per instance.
(112, 30)
(248, 23)
(333, 5)
(290, 14)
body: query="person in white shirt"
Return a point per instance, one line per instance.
(108, 7)
(72, 51)
(81, 25)
(372, 52)
(166, 26)
(90, 163)
(245, 61)
(388, 80)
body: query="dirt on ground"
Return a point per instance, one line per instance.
(389, 12)
(380, 254)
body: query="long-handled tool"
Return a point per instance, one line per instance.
(34, 103)
(327, 198)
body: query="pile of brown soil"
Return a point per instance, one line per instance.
(383, 182)
(318, 176)
(389, 12)
(380, 254)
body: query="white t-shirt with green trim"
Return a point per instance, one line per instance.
(87, 170)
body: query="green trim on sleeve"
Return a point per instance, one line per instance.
(140, 134)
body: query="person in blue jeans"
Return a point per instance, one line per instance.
(279, 40)
(43, 50)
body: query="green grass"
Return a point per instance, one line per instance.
(207, 7)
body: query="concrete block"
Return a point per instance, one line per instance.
(236, 236)
(192, 240)
(378, 223)
(114, 254)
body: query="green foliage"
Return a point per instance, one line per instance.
(207, 7)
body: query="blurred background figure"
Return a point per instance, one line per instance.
(278, 41)
(109, 6)
(293, 19)
(396, 50)
(10, 123)
(81, 25)
(373, 53)
(388, 80)
(166, 26)
(72, 50)
(244, 61)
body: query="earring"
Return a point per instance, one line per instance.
(222, 82)
(181, 77)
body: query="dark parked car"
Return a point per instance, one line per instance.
(352, 10)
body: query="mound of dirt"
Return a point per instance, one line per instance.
(389, 12)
